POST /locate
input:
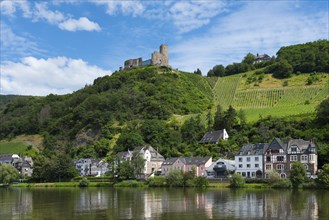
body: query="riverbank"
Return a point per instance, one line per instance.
(62, 184)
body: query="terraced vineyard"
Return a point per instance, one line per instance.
(280, 101)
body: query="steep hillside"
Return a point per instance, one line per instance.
(142, 93)
(262, 95)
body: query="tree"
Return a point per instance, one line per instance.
(198, 71)
(8, 173)
(128, 140)
(249, 59)
(175, 178)
(217, 70)
(281, 69)
(237, 181)
(323, 179)
(297, 174)
(219, 118)
(322, 112)
(125, 170)
(230, 118)
(138, 164)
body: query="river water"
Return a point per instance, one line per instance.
(136, 203)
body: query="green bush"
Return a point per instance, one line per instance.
(157, 181)
(175, 178)
(201, 181)
(84, 182)
(237, 181)
(282, 183)
(129, 183)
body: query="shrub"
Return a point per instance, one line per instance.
(237, 181)
(175, 178)
(129, 183)
(201, 181)
(282, 183)
(157, 181)
(84, 182)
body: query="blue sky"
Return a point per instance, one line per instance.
(60, 46)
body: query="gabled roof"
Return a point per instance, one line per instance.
(155, 155)
(5, 157)
(277, 144)
(195, 160)
(170, 161)
(212, 137)
(253, 149)
(303, 145)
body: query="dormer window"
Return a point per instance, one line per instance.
(293, 149)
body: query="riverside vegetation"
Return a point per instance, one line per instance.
(171, 110)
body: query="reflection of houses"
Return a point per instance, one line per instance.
(254, 160)
(23, 165)
(249, 160)
(187, 164)
(213, 137)
(91, 167)
(152, 158)
(220, 168)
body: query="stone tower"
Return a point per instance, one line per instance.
(160, 58)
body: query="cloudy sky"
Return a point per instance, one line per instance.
(60, 46)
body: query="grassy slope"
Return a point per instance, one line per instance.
(19, 144)
(270, 96)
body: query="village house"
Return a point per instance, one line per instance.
(23, 165)
(249, 160)
(261, 58)
(153, 159)
(91, 167)
(213, 137)
(221, 168)
(277, 157)
(187, 164)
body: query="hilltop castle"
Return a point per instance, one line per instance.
(157, 59)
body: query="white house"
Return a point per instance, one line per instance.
(249, 160)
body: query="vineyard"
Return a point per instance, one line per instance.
(260, 102)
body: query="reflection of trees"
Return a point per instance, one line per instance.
(299, 201)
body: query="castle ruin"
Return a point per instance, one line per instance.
(157, 59)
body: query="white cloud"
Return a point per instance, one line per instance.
(256, 27)
(59, 75)
(82, 23)
(13, 44)
(189, 15)
(42, 12)
(134, 8)
(9, 7)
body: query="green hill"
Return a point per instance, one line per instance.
(270, 96)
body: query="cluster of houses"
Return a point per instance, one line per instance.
(259, 160)
(24, 165)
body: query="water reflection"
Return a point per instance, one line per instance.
(109, 203)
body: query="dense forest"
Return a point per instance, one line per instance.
(168, 109)
(301, 58)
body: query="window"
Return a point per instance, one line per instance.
(243, 174)
(312, 149)
(268, 159)
(280, 158)
(293, 157)
(280, 166)
(248, 165)
(293, 149)
(240, 165)
(311, 157)
(256, 165)
(248, 159)
(240, 159)
(268, 167)
(304, 158)
(256, 159)
(253, 174)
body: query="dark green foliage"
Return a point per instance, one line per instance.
(198, 72)
(237, 181)
(217, 70)
(236, 68)
(8, 173)
(322, 112)
(308, 57)
(128, 141)
(175, 178)
(125, 171)
(84, 182)
(280, 70)
(323, 179)
(297, 174)
(282, 184)
(192, 130)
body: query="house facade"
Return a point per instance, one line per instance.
(249, 160)
(24, 165)
(277, 157)
(91, 167)
(221, 168)
(187, 164)
(153, 159)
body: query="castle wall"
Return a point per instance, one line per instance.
(131, 63)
